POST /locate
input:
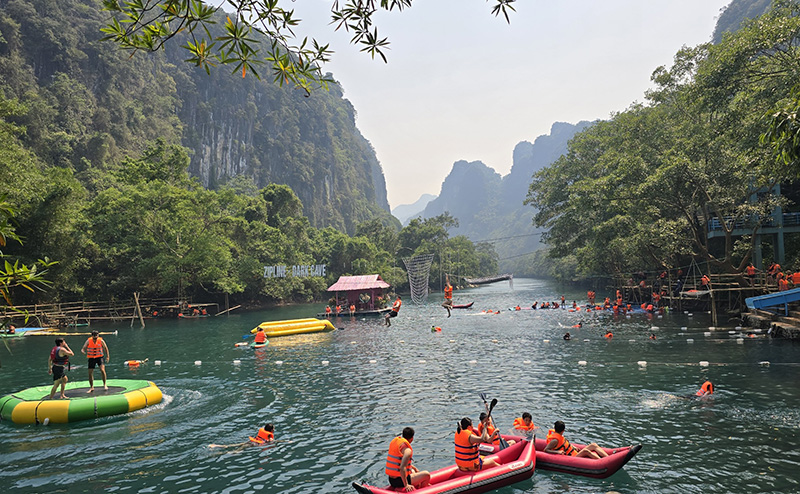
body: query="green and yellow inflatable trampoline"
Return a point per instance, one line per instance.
(33, 406)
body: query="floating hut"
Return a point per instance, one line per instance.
(362, 292)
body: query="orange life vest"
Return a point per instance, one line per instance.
(448, 292)
(489, 430)
(261, 337)
(327, 309)
(706, 389)
(751, 270)
(609, 335)
(94, 348)
(396, 305)
(562, 445)
(467, 455)
(396, 448)
(520, 425)
(352, 308)
(264, 436)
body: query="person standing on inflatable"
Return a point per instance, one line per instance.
(97, 352)
(56, 365)
(448, 295)
(395, 309)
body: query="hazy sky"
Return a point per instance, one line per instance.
(463, 85)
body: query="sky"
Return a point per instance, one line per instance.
(461, 84)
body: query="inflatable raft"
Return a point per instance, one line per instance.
(32, 406)
(518, 462)
(289, 327)
(586, 467)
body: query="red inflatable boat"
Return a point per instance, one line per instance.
(518, 462)
(587, 467)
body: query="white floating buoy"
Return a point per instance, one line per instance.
(731, 332)
(279, 362)
(740, 341)
(763, 363)
(197, 362)
(631, 341)
(690, 314)
(545, 341)
(47, 420)
(237, 362)
(402, 341)
(738, 328)
(707, 333)
(452, 341)
(352, 342)
(581, 362)
(757, 330)
(373, 361)
(587, 339)
(711, 328)
(704, 363)
(689, 340)
(642, 363)
(473, 361)
(157, 362)
(526, 361)
(494, 341)
(684, 328)
(421, 361)
(628, 316)
(653, 328)
(660, 316)
(325, 362)
(686, 312)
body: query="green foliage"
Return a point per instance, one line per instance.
(254, 33)
(642, 189)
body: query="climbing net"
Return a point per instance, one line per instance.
(419, 270)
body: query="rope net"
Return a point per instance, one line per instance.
(419, 270)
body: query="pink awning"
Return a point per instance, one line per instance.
(353, 283)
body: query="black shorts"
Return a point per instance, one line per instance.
(397, 482)
(393, 314)
(448, 302)
(58, 372)
(96, 361)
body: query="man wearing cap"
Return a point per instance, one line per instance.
(97, 352)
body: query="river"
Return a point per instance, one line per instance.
(336, 400)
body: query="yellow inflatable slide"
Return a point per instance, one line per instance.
(289, 327)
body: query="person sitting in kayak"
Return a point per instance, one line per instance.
(265, 435)
(707, 389)
(486, 423)
(261, 336)
(468, 459)
(402, 473)
(557, 444)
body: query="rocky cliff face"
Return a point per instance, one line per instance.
(103, 104)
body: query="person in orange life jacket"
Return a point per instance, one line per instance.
(395, 309)
(98, 354)
(783, 284)
(751, 273)
(448, 295)
(338, 309)
(608, 334)
(56, 365)
(402, 473)
(557, 444)
(327, 310)
(261, 336)
(795, 278)
(525, 424)
(352, 309)
(468, 459)
(706, 389)
(265, 434)
(486, 423)
(704, 282)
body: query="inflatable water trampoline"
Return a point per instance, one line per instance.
(33, 406)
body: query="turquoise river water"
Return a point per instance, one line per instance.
(338, 398)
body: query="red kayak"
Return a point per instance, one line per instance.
(518, 462)
(587, 467)
(463, 306)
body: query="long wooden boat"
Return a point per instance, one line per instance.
(586, 467)
(517, 464)
(463, 306)
(489, 279)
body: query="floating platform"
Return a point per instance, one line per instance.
(274, 329)
(33, 406)
(346, 313)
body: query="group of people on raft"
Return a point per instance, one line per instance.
(404, 475)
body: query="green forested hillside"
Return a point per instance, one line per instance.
(144, 174)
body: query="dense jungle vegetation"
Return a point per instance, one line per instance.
(714, 147)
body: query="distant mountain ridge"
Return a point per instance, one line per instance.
(405, 212)
(489, 206)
